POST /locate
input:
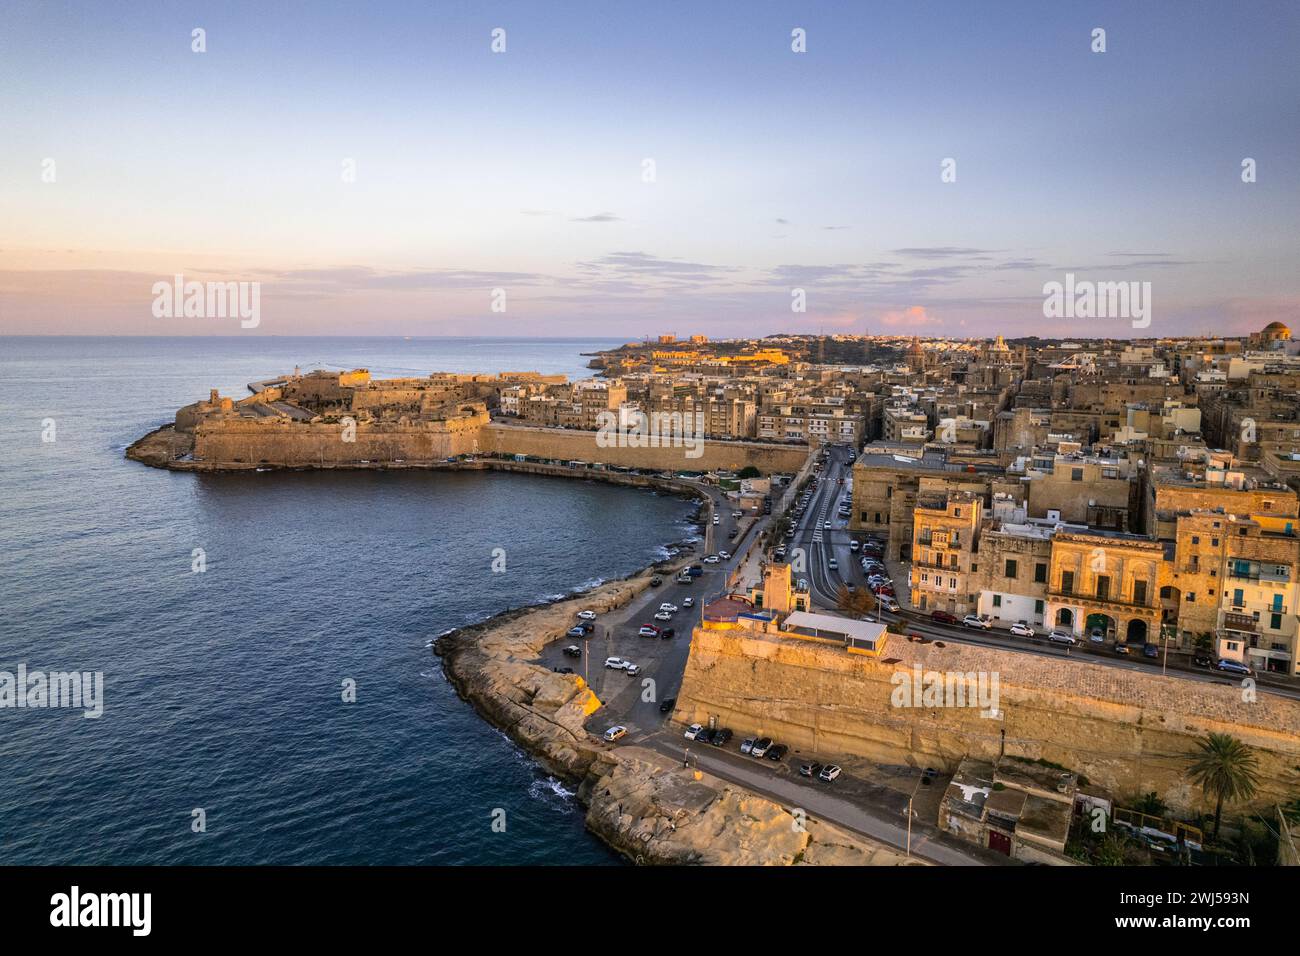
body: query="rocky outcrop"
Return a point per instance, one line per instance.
(654, 814)
(646, 809)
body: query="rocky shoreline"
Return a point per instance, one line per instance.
(647, 808)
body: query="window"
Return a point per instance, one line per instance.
(1191, 597)
(1076, 474)
(1214, 542)
(1011, 568)
(1103, 588)
(997, 600)
(1139, 592)
(1040, 573)
(1067, 582)
(1196, 539)
(1038, 607)
(1275, 622)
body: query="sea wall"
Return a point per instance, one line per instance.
(245, 442)
(1128, 732)
(565, 444)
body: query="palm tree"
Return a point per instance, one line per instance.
(1226, 769)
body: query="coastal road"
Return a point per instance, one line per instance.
(873, 811)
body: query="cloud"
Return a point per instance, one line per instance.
(914, 316)
(941, 252)
(599, 217)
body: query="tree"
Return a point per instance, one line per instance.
(749, 471)
(1226, 769)
(854, 603)
(1150, 804)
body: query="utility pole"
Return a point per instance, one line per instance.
(909, 814)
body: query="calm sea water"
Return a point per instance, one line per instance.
(223, 688)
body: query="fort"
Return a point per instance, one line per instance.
(349, 420)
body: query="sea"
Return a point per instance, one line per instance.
(270, 692)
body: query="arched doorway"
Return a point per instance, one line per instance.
(1065, 618)
(1103, 623)
(1137, 631)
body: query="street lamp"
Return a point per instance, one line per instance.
(909, 813)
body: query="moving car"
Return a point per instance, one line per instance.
(853, 546)
(1121, 648)
(1062, 637)
(1023, 629)
(826, 525)
(724, 555)
(670, 608)
(667, 705)
(573, 650)
(889, 604)
(943, 617)
(663, 616)
(716, 519)
(587, 615)
(829, 773)
(761, 747)
(648, 630)
(693, 731)
(631, 670)
(809, 769)
(974, 620)
(614, 733)
(688, 601)
(1232, 667)
(578, 630)
(711, 559)
(616, 663)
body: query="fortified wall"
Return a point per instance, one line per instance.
(1128, 733)
(572, 445)
(244, 442)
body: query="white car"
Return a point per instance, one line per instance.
(1061, 637)
(829, 772)
(688, 601)
(1021, 629)
(833, 564)
(631, 670)
(693, 731)
(974, 620)
(890, 605)
(668, 606)
(587, 615)
(663, 616)
(826, 525)
(616, 663)
(738, 514)
(724, 555)
(614, 733)
(716, 519)
(710, 559)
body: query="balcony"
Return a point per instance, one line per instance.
(1239, 622)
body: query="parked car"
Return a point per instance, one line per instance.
(1121, 648)
(943, 617)
(1095, 636)
(1202, 660)
(1151, 651)
(1232, 667)
(587, 615)
(688, 601)
(631, 670)
(747, 745)
(648, 630)
(724, 555)
(974, 620)
(829, 773)
(693, 731)
(667, 704)
(833, 564)
(738, 514)
(761, 747)
(1062, 637)
(711, 559)
(720, 737)
(890, 605)
(577, 631)
(1023, 629)
(668, 606)
(850, 587)
(616, 663)
(668, 633)
(717, 519)
(615, 732)
(853, 546)
(562, 670)
(778, 752)
(810, 769)
(573, 650)
(705, 736)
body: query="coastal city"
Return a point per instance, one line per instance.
(952, 601)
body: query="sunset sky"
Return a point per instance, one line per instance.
(523, 170)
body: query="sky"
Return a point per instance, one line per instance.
(629, 169)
